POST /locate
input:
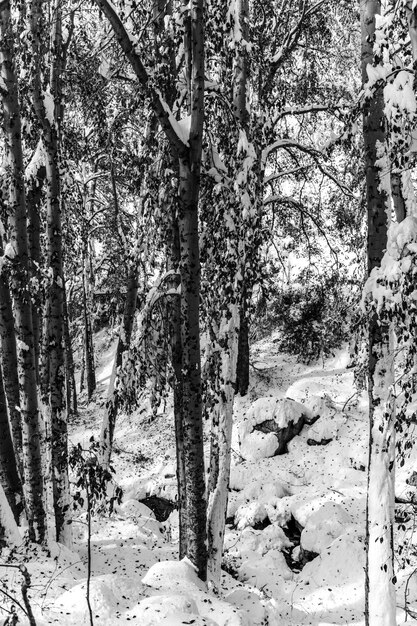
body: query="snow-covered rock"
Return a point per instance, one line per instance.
(133, 509)
(326, 428)
(268, 426)
(324, 526)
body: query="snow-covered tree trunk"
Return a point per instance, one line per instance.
(221, 454)
(379, 585)
(17, 249)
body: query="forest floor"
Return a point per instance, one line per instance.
(295, 523)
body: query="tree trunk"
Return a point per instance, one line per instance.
(9, 476)
(36, 175)
(241, 114)
(123, 342)
(242, 370)
(90, 371)
(188, 155)
(380, 600)
(176, 356)
(8, 354)
(71, 390)
(220, 466)
(233, 333)
(31, 419)
(53, 375)
(189, 186)
(9, 532)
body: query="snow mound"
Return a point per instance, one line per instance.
(283, 415)
(324, 526)
(173, 574)
(269, 572)
(73, 602)
(260, 541)
(250, 514)
(267, 494)
(169, 609)
(248, 602)
(334, 580)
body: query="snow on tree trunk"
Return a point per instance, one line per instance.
(379, 585)
(17, 248)
(218, 494)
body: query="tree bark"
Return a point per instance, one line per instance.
(18, 242)
(189, 186)
(233, 331)
(90, 371)
(176, 357)
(8, 354)
(36, 175)
(242, 369)
(71, 390)
(9, 476)
(380, 609)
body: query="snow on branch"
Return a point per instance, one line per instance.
(128, 45)
(312, 108)
(287, 143)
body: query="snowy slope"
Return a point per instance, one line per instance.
(295, 522)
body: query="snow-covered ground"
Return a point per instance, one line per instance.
(295, 522)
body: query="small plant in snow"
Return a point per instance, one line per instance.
(92, 482)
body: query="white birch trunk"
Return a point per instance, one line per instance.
(381, 492)
(217, 502)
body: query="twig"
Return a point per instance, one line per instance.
(348, 400)
(25, 587)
